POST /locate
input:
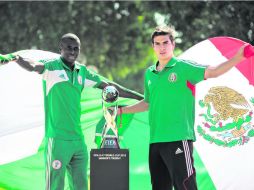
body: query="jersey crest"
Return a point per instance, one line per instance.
(80, 80)
(56, 164)
(172, 77)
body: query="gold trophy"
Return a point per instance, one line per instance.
(109, 104)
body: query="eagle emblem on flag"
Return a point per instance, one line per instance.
(226, 117)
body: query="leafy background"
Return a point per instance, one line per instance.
(115, 35)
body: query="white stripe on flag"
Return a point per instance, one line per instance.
(20, 145)
(21, 113)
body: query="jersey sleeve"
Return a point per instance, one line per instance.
(92, 79)
(47, 64)
(196, 72)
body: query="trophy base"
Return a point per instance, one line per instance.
(109, 169)
(110, 142)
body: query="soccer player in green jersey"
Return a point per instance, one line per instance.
(63, 81)
(171, 111)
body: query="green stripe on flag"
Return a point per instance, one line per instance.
(204, 180)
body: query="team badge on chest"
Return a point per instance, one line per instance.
(80, 80)
(56, 164)
(172, 77)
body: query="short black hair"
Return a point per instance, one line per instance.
(70, 36)
(164, 30)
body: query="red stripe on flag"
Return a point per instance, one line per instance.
(228, 47)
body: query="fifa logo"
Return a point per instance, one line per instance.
(110, 142)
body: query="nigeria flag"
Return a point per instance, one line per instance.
(224, 124)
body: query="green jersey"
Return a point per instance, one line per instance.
(171, 100)
(62, 92)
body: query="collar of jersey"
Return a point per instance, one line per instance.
(172, 62)
(66, 67)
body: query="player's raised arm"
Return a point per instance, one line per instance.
(123, 92)
(213, 72)
(30, 65)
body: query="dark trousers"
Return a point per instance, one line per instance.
(171, 165)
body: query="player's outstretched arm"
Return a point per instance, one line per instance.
(140, 106)
(213, 72)
(123, 92)
(30, 65)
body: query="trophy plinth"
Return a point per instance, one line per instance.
(109, 165)
(109, 169)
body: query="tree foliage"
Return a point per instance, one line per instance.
(115, 36)
(197, 21)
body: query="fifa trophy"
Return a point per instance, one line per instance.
(109, 104)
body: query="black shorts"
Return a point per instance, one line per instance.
(171, 165)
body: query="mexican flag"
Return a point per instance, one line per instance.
(224, 117)
(224, 125)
